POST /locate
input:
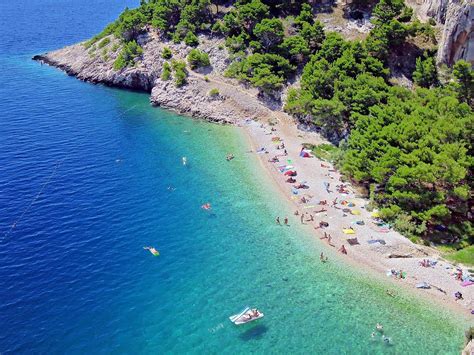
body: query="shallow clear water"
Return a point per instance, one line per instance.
(85, 173)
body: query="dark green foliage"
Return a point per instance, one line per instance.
(245, 15)
(218, 28)
(332, 47)
(268, 72)
(406, 14)
(108, 30)
(166, 71)
(166, 53)
(313, 34)
(415, 148)
(214, 92)
(180, 72)
(126, 57)
(191, 39)
(103, 43)
(197, 58)
(179, 16)
(269, 33)
(236, 43)
(386, 10)
(130, 24)
(295, 48)
(306, 15)
(425, 74)
(464, 75)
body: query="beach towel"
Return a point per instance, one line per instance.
(467, 283)
(355, 212)
(348, 231)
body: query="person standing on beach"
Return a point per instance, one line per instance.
(286, 221)
(278, 220)
(302, 218)
(343, 250)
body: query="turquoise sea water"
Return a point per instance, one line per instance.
(90, 175)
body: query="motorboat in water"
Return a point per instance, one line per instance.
(246, 316)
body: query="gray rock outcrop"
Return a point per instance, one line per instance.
(231, 104)
(455, 19)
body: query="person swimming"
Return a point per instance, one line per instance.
(185, 160)
(379, 327)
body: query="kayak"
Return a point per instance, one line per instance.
(246, 316)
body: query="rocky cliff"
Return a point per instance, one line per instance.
(232, 103)
(455, 19)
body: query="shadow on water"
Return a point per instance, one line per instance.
(256, 332)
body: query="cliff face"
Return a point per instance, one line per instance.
(455, 18)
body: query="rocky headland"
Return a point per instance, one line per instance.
(232, 103)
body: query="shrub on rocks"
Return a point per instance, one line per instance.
(180, 73)
(166, 72)
(166, 53)
(127, 56)
(197, 58)
(214, 92)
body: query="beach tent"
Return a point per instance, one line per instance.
(306, 153)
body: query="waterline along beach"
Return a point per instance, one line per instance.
(131, 228)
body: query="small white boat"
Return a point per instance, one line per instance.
(246, 316)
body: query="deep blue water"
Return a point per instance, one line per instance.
(89, 175)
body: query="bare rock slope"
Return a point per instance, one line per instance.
(456, 18)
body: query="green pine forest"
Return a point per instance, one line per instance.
(410, 148)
